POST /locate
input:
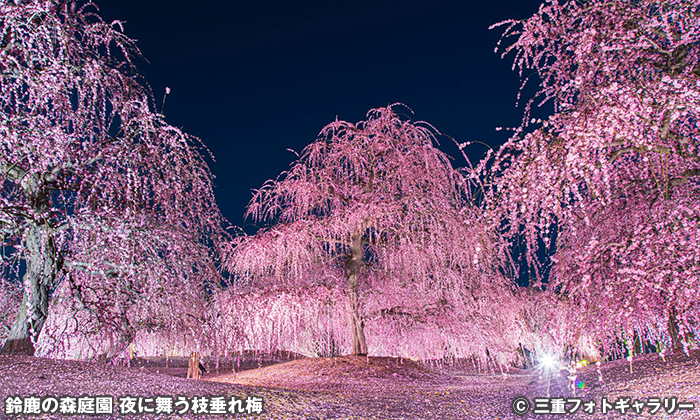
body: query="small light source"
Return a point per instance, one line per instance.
(548, 361)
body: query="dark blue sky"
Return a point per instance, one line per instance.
(253, 79)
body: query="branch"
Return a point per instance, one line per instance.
(658, 149)
(90, 268)
(12, 172)
(689, 173)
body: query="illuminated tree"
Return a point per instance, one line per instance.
(100, 197)
(610, 184)
(377, 210)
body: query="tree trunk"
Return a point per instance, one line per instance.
(676, 343)
(42, 268)
(352, 275)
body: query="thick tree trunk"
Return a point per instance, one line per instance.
(352, 274)
(42, 267)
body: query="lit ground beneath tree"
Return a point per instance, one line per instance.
(358, 387)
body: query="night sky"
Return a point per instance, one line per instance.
(253, 79)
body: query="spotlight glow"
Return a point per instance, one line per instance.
(548, 361)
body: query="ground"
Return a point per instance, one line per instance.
(356, 387)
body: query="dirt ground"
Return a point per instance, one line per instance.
(351, 387)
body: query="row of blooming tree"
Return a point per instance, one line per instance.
(106, 211)
(609, 184)
(372, 242)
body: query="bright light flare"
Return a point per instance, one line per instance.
(548, 361)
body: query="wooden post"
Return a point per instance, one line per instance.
(193, 367)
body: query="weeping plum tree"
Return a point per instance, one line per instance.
(99, 195)
(610, 183)
(374, 207)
